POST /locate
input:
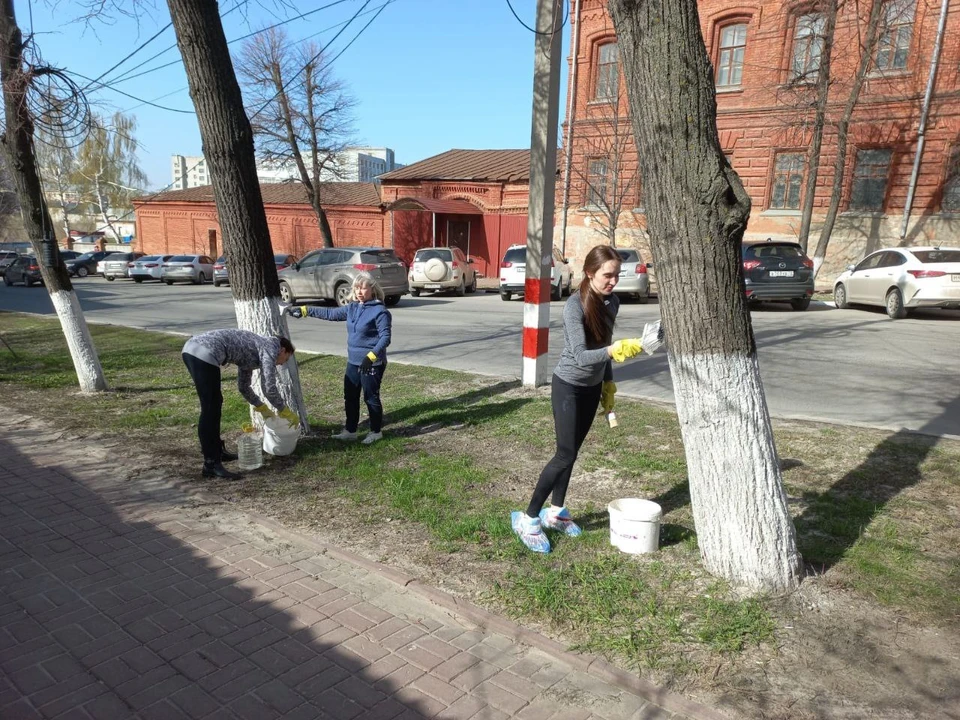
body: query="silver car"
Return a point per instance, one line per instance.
(328, 274)
(119, 264)
(149, 267)
(634, 279)
(187, 268)
(442, 268)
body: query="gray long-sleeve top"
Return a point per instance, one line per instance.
(581, 362)
(249, 352)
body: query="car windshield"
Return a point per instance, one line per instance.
(516, 255)
(629, 256)
(765, 250)
(86, 256)
(937, 256)
(182, 258)
(432, 253)
(378, 256)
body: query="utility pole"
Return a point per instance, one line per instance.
(543, 180)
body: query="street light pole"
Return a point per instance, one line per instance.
(543, 179)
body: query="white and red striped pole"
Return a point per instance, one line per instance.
(543, 179)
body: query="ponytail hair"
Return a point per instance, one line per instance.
(595, 318)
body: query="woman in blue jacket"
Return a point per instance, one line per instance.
(368, 334)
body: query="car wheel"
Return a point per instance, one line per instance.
(341, 294)
(800, 303)
(286, 294)
(556, 292)
(472, 287)
(27, 282)
(216, 283)
(461, 289)
(6, 280)
(169, 282)
(567, 290)
(138, 280)
(82, 271)
(505, 296)
(110, 278)
(415, 292)
(840, 297)
(895, 308)
(391, 300)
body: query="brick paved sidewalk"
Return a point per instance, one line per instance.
(127, 598)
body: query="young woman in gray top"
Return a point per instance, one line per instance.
(582, 375)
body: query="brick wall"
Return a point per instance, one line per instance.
(768, 112)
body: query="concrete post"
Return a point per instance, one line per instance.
(543, 180)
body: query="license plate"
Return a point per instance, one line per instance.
(781, 273)
(432, 286)
(955, 277)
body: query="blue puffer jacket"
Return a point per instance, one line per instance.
(368, 328)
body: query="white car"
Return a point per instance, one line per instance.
(192, 268)
(901, 279)
(442, 268)
(149, 267)
(513, 270)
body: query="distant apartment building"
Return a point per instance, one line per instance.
(188, 171)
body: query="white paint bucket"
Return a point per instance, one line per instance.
(635, 525)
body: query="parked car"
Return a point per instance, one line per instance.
(634, 279)
(328, 274)
(513, 270)
(191, 268)
(7, 257)
(221, 274)
(901, 279)
(148, 267)
(68, 255)
(778, 271)
(25, 269)
(442, 268)
(87, 263)
(119, 264)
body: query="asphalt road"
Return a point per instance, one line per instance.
(846, 366)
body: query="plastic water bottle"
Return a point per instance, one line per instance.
(249, 449)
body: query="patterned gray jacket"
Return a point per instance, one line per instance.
(249, 352)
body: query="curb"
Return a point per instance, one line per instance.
(591, 664)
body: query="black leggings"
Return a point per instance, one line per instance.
(206, 378)
(574, 407)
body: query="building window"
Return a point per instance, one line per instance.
(808, 42)
(896, 30)
(608, 72)
(597, 174)
(951, 186)
(870, 180)
(733, 44)
(787, 181)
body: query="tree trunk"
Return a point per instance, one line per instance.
(17, 141)
(697, 211)
(102, 207)
(228, 147)
(843, 132)
(820, 114)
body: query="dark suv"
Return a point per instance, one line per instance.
(86, 263)
(23, 269)
(778, 270)
(7, 257)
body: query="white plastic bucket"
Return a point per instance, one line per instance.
(635, 525)
(278, 437)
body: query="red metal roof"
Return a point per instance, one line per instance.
(452, 207)
(286, 193)
(475, 165)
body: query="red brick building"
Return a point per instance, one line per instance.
(766, 56)
(185, 221)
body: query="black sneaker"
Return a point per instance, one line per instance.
(218, 470)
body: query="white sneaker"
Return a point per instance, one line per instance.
(345, 435)
(372, 438)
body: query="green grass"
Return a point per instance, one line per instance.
(461, 451)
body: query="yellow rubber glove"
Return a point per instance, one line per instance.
(623, 349)
(264, 411)
(290, 415)
(297, 311)
(607, 392)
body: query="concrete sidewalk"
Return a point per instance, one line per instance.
(125, 597)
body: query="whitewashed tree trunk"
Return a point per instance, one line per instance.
(697, 211)
(228, 147)
(85, 359)
(17, 142)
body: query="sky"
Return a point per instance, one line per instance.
(428, 75)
